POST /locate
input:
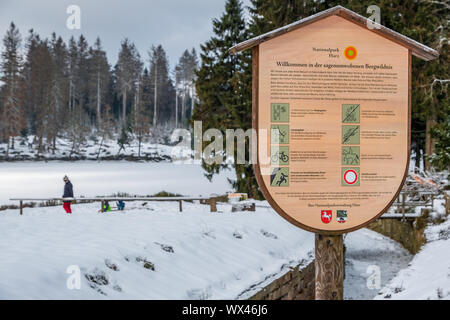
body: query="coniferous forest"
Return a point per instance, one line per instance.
(51, 88)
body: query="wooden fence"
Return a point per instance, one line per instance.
(212, 201)
(424, 199)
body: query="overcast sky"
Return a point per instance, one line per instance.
(176, 24)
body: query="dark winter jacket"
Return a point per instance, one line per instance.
(68, 190)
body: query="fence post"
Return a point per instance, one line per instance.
(102, 204)
(329, 267)
(21, 207)
(212, 204)
(181, 205)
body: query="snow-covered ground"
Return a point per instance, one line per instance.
(25, 149)
(428, 274)
(90, 179)
(195, 254)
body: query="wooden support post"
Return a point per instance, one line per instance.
(181, 205)
(212, 204)
(447, 202)
(329, 266)
(21, 207)
(102, 203)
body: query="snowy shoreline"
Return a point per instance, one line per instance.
(91, 179)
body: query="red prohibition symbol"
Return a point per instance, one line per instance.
(350, 176)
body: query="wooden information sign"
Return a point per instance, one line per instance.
(333, 97)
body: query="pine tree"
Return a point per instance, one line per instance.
(39, 89)
(105, 127)
(42, 66)
(99, 77)
(163, 93)
(141, 125)
(12, 110)
(58, 106)
(73, 71)
(223, 88)
(185, 75)
(181, 83)
(127, 72)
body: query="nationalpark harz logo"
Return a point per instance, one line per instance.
(350, 53)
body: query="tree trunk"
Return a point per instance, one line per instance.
(124, 107)
(429, 141)
(139, 148)
(192, 99)
(417, 150)
(155, 113)
(176, 109)
(183, 106)
(99, 113)
(101, 145)
(7, 147)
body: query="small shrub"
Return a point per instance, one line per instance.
(166, 194)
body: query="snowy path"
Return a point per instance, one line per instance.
(364, 248)
(196, 254)
(366, 252)
(428, 274)
(90, 178)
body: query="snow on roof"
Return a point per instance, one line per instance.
(419, 50)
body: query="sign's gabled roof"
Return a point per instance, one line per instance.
(417, 49)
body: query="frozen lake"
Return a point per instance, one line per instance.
(40, 179)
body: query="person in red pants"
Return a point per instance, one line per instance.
(68, 193)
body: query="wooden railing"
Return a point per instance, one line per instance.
(212, 201)
(426, 199)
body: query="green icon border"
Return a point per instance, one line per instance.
(357, 183)
(358, 153)
(352, 142)
(285, 117)
(272, 139)
(272, 184)
(344, 108)
(285, 150)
